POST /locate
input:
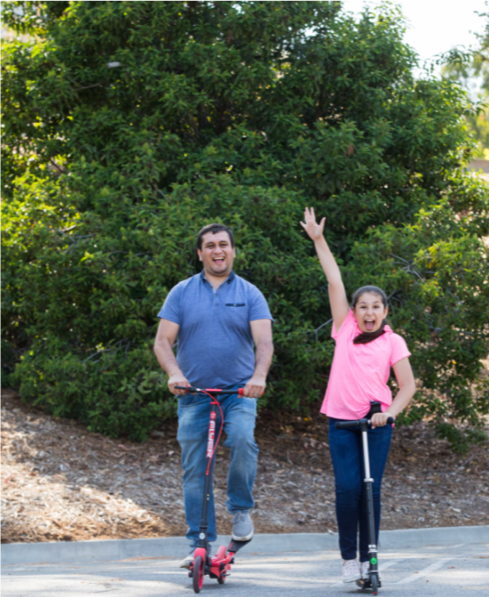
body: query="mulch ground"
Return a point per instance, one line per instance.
(61, 482)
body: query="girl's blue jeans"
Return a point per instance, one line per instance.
(239, 424)
(351, 502)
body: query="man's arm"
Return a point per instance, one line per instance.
(261, 330)
(163, 348)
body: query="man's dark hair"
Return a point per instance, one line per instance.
(214, 228)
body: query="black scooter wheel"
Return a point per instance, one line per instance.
(198, 574)
(221, 580)
(375, 583)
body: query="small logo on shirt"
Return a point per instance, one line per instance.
(235, 304)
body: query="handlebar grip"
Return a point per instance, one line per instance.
(349, 424)
(241, 392)
(346, 424)
(187, 388)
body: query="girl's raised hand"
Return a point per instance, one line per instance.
(313, 229)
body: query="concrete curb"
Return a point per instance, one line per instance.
(175, 547)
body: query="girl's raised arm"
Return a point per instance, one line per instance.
(337, 294)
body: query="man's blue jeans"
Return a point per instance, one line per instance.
(351, 501)
(193, 425)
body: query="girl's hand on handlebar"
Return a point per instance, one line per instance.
(313, 229)
(177, 380)
(380, 419)
(255, 387)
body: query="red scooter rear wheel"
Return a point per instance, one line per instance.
(198, 574)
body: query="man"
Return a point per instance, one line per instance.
(217, 317)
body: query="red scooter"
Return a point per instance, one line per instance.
(218, 566)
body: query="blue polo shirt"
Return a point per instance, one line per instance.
(214, 344)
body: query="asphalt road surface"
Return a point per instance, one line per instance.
(453, 571)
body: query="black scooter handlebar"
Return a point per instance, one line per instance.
(359, 423)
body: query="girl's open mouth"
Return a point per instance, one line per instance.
(369, 326)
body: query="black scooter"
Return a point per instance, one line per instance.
(373, 580)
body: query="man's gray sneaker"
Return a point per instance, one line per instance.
(185, 563)
(242, 526)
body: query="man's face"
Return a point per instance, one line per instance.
(217, 254)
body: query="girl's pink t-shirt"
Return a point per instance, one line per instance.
(360, 372)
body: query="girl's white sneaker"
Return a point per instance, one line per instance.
(364, 568)
(351, 571)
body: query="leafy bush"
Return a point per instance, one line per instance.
(132, 124)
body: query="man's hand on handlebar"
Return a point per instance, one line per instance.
(380, 419)
(177, 380)
(255, 387)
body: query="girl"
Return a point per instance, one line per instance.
(366, 349)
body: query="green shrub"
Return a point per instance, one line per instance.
(132, 124)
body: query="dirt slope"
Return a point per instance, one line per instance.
(60, 482)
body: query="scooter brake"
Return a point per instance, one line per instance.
(366, 583)
(235, 546)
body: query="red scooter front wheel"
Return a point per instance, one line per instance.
(198, 574)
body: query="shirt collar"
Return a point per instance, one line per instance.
(231, 277)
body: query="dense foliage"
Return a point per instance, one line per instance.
(129, 125)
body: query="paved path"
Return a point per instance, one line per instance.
(452, 571)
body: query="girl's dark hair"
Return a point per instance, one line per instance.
(375, 289)
(366, 337)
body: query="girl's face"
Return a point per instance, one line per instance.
(369, 312)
